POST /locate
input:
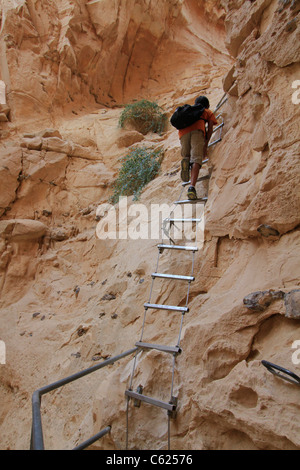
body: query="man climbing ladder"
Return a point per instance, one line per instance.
(191, 122)
(194, 141)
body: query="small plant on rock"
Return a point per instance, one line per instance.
(139, 167)
(144, 116)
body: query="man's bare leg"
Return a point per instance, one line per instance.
(192, 194)
(194, 173)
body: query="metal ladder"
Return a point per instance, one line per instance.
(138, 395)
(167, 225)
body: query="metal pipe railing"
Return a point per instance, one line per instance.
(281, 372)
(37, 440)
(93, 439)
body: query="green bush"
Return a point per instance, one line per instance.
(139, 167)
(145, 116)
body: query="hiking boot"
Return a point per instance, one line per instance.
(191, 194)
(185, 170)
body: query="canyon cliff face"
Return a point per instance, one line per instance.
(70, 299)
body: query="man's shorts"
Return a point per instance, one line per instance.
(192, 146)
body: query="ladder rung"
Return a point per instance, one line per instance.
(168, 349)
(214, 142)
(202, 178)
(191, 201)
(166, 307)
(184, 220)
(218, 127)
(151, 401)
(177, 247)
(173, 276)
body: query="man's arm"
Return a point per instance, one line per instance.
(209, 131)
(207, 138)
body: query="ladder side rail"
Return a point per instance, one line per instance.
(218, 128)
(221, 102)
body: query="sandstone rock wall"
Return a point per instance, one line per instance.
(262, 122)
(70, 299)
(74, 54)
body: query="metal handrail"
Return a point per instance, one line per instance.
(93, 439)
(281, 372)
(37, 440)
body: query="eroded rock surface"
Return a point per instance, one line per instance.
(70, 298)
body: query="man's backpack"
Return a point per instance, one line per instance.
(186, 115)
